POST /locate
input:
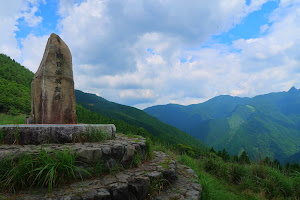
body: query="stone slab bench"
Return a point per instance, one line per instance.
(50, 133)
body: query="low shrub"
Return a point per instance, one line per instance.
(238, 173)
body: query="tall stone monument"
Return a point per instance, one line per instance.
(52, 89)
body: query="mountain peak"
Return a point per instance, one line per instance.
(293, 89)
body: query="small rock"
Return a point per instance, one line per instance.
(106, 150)
(85, 155)
(155, 175)
(90, 195)
(139, 187)
(97, 154)
(111, 163)
(193, 194)
(129, 153)
(117, 151)
(119, 191)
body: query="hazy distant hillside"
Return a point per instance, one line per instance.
(269, 123)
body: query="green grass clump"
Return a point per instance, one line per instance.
(12, 119)
(92, 135)
(149, 149)
(136, 161)
(10, 136)
(156, 187)
(44, 169)
(2, 136)
(116, 169)
(98, 169)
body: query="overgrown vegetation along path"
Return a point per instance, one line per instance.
(147, 181)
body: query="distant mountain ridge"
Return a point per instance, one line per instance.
(266, 124)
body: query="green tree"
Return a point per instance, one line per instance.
(212, 150)
(277, 165)
(244, 158)
(225, 155)
(235, 159)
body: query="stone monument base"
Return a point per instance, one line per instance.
(50, 133)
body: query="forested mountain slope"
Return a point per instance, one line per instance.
(267, 125)
(15, 83)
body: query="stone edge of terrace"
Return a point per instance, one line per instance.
(51, 133)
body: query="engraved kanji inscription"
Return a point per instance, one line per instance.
(58, 64)
(59, 55)
(58, 81)
(57, 97)
(57, 89)
(58, 72)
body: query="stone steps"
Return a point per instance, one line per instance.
(159, 178)
(121, 149)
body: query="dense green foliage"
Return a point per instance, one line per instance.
(264, 126)
(135, 117)
(15, 83)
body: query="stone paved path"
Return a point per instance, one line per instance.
(185, 188)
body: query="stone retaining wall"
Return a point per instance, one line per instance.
(120, 150)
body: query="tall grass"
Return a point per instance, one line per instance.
(44, 169)
(256, 181)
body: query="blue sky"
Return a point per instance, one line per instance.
(250, 25)
(148, 52)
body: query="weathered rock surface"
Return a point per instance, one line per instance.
(52, 89)
(39, 134)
